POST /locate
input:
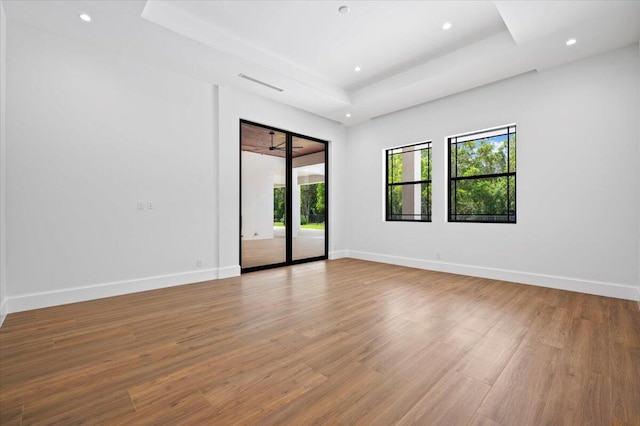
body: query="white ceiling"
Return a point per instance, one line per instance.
(309, 50)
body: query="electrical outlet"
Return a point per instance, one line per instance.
(199, 263)
(438, 256)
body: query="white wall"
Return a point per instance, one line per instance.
(258, 172)
(577, 199)
(236, 105)
(3, 97)
(89, 135)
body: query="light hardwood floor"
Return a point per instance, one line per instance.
(273, 250)
(335, 342)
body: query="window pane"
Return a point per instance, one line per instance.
(426, 201)
(409, 202)
(395, 167)
(453, 170)
(408, 195)
(482, 176)
(394, 202)
(512, 153)
(512, 198)
(483, 199)
(425, 164)
(483, 156)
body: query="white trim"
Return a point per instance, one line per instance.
(562, 283)
(472, 132)
(80, 294)
(4, 310)
(407, 145)
(229, 271)
(30, 301)
(339, 254)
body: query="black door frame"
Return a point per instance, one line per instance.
(288, 199)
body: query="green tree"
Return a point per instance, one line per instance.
(278, 204)
(308, 200)
(320, 198)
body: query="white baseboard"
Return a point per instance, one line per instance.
(339, 254)
(571, 284)
(4, 310)
(229, 271)
(80, 294)
(30, 301)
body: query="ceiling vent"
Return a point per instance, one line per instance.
(246, 77)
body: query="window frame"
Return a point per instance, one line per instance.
(510, 129)
(388, 217)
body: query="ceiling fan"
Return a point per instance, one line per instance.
(281, 146)
(262, 148)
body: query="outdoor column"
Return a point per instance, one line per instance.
(411, 172)
(295, 204)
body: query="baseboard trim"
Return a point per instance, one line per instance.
(561, 283)
(339, 254)
(4, 310)
(229, 271)
(80, 294)
(31, 301)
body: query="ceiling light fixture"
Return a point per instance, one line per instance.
(347, 115)
(343, 10)
(571, 42)
(85, 17)
(446, 25)
(356, 69)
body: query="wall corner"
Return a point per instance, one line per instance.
(3, 168)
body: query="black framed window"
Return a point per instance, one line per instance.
(408, 183)
(482, 176)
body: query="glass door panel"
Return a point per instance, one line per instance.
(308, 176)
(283, 202)
(263, 196)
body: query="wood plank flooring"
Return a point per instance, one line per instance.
(337, 342)
(273, 250)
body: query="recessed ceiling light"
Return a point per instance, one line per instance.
(571, 42)
(446, 25)
(85, 17)
(347, 115)
(356, 69)
(343, 10)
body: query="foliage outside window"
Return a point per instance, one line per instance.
(312, 205)
(482, 176)
(279, 211)
(408, 182)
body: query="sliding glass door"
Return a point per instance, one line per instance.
(283, 201)
(308, 198)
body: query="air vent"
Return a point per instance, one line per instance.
(246, 77)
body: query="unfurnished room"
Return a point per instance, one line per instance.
(319, 212)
